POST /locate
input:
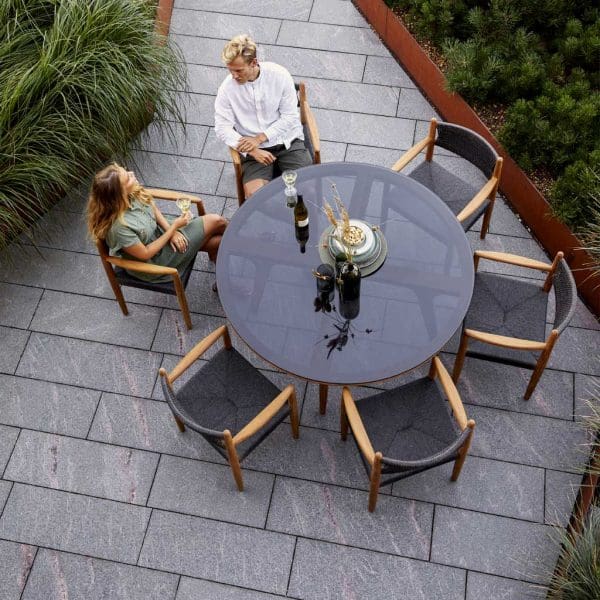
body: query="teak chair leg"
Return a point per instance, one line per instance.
(322, 398)
(541, 364)
(487, 217)
(343, 421)
(462, 454)
(375, 480)
(182, 301)
(460, 357)
(234, 462)
(116, 288)
(293, 404)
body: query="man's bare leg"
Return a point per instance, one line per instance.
(253, 185)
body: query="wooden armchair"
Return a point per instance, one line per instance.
(465, 200)
(409, 429)
(311, 141)
(506, 321)
(228, 401)
(114, 266)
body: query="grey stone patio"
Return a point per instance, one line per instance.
(102, 497)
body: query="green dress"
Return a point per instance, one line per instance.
(139, 225)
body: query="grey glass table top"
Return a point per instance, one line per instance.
(409, 308)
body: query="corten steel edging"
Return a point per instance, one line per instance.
(164, 10)
(518, 189)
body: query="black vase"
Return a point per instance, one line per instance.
(349, 289)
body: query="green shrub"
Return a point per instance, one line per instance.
(559, 127)
(576, 194)
(78, 81)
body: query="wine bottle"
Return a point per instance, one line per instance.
(301, 223)
(349, 290)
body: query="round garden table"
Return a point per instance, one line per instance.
(409, 308)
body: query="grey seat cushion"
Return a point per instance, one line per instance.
(454, 191)
(409, 423)
(225, 393)
(507, 306)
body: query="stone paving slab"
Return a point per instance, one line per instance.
(317, 455)
(55, 270)
(14, 568)
(494, 545)
(480, 585)
(46, 406)
(209, 490)
(291, 10)
(577, 350)
(194, 589)
(339, 515)
(527, 439)
(95, 319)
(198, 109)
(561, 492)
(91, 468)
(322, 571)
(58, 576)
(5, 487)
(492, 384)
(221, 552)
(224, 26)
(90, 364)
(14, 341)
(586, 389)
(484, 485)
(8, 437)
(175, 141)
(205, 80)
(384, 70)
(147, 425)
(64, 230)
(193, 175)
(352, 97)
(17, 304)
(74, 523)
(336, 12)
(330, 37)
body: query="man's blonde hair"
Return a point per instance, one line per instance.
(241, 45)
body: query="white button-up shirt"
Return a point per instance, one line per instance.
(268, 105)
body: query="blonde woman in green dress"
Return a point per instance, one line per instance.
(123, 213)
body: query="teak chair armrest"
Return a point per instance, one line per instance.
(172, 195)
(311, 124)
(141, 267)
(504, 341)
(265, 415)
(357, 426)
(477, 200)
(451, 392)
(411, 154)
(512, 259)
(198, 350)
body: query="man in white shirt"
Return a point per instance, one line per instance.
(256, 112)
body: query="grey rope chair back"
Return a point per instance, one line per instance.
(565, 293)
(468, 144)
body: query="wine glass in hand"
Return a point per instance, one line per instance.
(183, 204)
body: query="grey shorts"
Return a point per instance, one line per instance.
(295, 157)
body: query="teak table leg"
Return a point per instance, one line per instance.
(322, 398)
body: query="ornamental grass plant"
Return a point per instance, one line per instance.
(78, 80)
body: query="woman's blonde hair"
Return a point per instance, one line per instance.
(241, 45)
(108, 201)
